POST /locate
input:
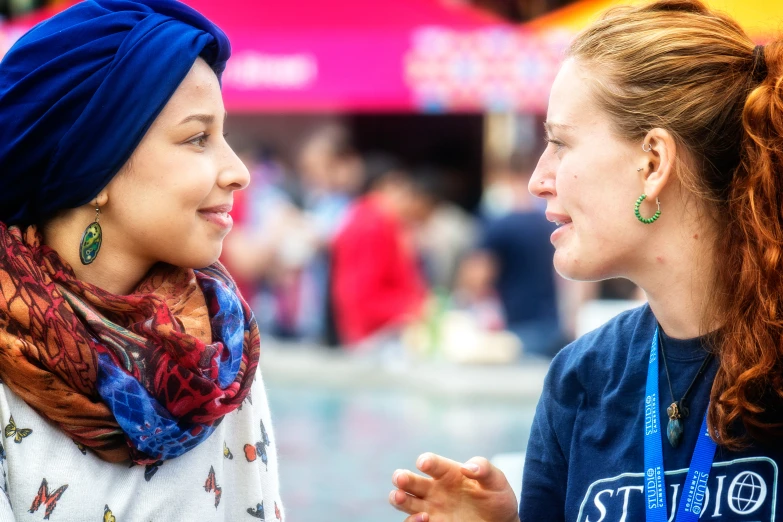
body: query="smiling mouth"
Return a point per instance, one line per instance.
(561, 223)
(221, 218)
(212, 212)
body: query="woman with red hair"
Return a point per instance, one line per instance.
(664, 166)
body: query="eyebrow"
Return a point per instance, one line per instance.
(206, 119)
(548, 126)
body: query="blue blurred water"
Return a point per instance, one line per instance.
(338, 448)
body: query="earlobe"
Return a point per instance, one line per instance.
(101, 199)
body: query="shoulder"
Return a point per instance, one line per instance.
(598, 357)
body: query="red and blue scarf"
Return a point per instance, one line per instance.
(145, 376)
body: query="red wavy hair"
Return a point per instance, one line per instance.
(677, 65)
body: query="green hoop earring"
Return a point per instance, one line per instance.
(638, 214)
(91, 240)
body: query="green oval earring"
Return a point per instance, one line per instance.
(91, 240)
(638, 214)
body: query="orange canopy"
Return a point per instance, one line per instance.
(762, 19)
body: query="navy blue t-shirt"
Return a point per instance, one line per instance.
(526, 280)
(585, 458)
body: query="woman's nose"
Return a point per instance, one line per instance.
(234, 174)
(542, 181)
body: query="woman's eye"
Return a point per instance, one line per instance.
(558, 144)
(200, 141)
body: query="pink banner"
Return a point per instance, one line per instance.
(358, 56)
(431, 69)
(317, 70)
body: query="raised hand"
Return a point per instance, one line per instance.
(475, 491)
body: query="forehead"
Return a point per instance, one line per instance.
(571, 105)
(199, 91)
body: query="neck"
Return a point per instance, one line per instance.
(678, 281)
(114, 270)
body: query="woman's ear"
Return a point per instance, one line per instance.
(659, 151)
(101, 199)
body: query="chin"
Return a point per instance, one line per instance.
(200, 259)
(207, 261)
(575, 268)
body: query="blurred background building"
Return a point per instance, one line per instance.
(514, 10)
(13, 8)
(397, 265)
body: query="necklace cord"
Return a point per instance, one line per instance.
(681, 403)
(665, 365)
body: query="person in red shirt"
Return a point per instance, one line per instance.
(377, 283)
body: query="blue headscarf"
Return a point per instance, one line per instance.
(79, 91)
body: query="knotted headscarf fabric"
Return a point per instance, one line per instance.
(79, 91)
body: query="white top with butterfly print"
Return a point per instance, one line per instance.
(230, 476)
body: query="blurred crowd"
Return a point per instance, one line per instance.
(362, 252)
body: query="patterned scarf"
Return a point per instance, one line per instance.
(145, 376)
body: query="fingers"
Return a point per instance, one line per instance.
(436, 466)
(477, 468)
(485, 473)
(411, 483)
(418, 517)
(406, 503)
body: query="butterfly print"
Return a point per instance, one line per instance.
(258, 511)
(227, 452)
(2, 468)
(264, 436)
(108, 516)
(18, 434)
(48, 499)
(81, 447)
(211, 485)
(252, 452)
(278, 516)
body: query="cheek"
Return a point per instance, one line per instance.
(576, 194)
(593, 197)
(597, 243)
(182, 193)
(149, 203)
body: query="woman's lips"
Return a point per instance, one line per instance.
(218, 217)
(563, 223)
(560, 230)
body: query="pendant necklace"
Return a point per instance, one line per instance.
(678, 411)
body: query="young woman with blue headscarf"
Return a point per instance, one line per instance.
(128, 360)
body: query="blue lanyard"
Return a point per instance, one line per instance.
(695, 486)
